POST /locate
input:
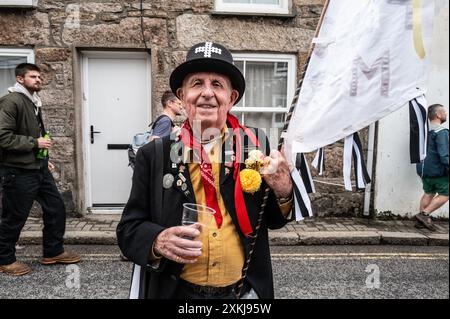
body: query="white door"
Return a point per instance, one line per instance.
(117, 106)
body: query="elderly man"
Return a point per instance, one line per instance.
(204, 165)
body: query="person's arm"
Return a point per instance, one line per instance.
(163, 127)
(280, 202)
(442, 146)
(9, 140)
(142, 240)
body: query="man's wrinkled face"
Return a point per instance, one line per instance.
(32, 81)
(207, 97)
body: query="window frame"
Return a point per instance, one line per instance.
(21, 53)
(19, 4)
(28, 53)
(291, 60)
(283, 8)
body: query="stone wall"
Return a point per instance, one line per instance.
(56, 30)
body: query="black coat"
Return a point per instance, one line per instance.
(141, 223)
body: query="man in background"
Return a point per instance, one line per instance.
(25, 174)
(434, 169)
(164, 124)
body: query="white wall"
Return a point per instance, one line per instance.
(398, 189)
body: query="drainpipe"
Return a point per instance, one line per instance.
(370, 155)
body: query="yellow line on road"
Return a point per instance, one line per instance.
(361, 258)
(293, 256)
(370, 256)
(362, 255)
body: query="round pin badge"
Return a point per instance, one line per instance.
(168, 181)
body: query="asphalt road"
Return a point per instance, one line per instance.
(301, 272)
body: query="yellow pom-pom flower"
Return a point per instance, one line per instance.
(250, 180)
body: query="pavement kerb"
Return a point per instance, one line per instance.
(276, 238)
(397, 238)
(438, 240)
(357, 238)
(73, 238)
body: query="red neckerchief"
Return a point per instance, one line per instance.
(208, 179)
(207, 176)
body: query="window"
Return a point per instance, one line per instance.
(253, 6)
(270, 86)
(9, 59)
(18, 3)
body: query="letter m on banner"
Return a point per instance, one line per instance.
(380, 65)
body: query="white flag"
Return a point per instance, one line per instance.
(369, 60)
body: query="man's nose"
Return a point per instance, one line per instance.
(207, 91)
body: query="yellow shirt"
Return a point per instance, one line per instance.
(222, 256)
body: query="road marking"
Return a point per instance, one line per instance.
(369, 256)
(292, 256)
(360, 258)
(360, 254)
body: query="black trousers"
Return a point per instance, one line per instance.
(189, 291)
(19, 188)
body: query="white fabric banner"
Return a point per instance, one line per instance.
(368, 62)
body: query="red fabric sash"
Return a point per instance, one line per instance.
(208, 179)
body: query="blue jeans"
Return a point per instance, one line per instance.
(19, 188)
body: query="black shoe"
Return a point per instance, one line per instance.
(419, 225)
(426, 221)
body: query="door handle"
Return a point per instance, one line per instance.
(92, 134)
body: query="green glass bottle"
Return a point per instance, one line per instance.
(43, 152)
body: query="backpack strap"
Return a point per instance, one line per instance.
(153, 124)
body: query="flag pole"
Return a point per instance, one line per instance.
(280, 144)
(302, 75)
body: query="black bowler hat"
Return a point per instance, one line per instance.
(208, 57)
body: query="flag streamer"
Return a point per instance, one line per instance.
(302, 166)
(418, 129)
(353, 150)
(319, 161)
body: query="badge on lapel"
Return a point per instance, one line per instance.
(168, 180)
(181, 179)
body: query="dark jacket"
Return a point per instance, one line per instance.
(19, 131)
(138, 230)
(436, 161)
